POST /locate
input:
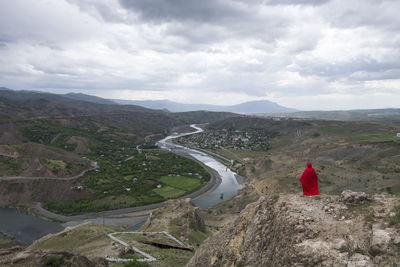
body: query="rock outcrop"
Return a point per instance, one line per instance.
(180, 217)
(292, 230)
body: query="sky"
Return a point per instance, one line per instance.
(303, 54)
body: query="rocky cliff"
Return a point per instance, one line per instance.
(181, 219)
(354, 229)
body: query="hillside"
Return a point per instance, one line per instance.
(390, 115)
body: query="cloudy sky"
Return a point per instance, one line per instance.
(305, 54)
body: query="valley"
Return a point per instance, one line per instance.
(116, 164)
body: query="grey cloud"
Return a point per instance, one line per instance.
(364, 75)
(369, 13)
(100, 9)
(359, 69)
(297, 2)
(208, 21)
(183, 10)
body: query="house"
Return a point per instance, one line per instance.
(159, 186)
(398, 135)
(78, 187)
(127, 189)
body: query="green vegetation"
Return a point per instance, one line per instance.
(136, 264)
(55, 166)
(197, 237)
(332, 130)
(10, 166)
(169, 192)
(116, 189)
(52, 261)
(182, 182)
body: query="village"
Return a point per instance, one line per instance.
(249, 139)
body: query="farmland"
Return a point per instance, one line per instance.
(130, 172)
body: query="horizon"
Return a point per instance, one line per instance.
(306, 55)
(115, 99)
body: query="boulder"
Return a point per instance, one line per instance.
(351, 197)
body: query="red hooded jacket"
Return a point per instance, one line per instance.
(309, 179)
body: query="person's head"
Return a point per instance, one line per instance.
(309, 165)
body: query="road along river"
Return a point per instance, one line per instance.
(223, 185)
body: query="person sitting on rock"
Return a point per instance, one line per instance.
(309, 179)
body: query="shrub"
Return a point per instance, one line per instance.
(136, 264)
(52, 261)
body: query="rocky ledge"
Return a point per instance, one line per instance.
(353, 229)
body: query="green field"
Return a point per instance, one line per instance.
(175, 186)
(169, 192)
(181, 182)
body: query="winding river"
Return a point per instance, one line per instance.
(28, 228)
(228, 183)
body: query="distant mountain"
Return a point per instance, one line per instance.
(32, 104)
(261, 106)
(89, 98)
(253, 107)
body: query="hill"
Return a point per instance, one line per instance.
(262, 106)
(390, 115)
(89, 98)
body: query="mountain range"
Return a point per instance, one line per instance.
(253, 107)
(80, 104)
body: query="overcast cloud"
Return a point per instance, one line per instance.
(305, 54)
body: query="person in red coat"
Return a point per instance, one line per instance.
(309, 179)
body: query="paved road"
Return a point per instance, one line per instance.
(211, 185)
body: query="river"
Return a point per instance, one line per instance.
(24, 227)
(228, 186)
(28, 228)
